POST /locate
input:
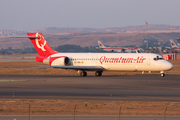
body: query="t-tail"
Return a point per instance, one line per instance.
(40, 44)
(173, 44)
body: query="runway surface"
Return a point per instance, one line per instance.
(87, 117)
(106, 87)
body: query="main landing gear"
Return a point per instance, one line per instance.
(98, 73)
(84, 73)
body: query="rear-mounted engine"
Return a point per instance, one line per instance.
(58, 61)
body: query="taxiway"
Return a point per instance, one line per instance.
(106, 87)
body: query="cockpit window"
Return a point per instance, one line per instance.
(158, 58)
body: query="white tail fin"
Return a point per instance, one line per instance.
(173, 44)
(101, 45)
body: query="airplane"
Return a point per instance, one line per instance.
(118, 49)
(98, 62)
(178, 41)
(174, 46)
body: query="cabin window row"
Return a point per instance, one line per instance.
(106, 59)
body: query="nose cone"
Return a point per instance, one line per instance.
(167, 66)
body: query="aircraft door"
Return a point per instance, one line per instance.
(148, 61)
(92, 59)
(96, 60)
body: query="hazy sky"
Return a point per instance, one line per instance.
(39, 14)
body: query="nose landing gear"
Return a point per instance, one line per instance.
(162, 73)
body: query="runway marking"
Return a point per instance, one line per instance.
(3, 80)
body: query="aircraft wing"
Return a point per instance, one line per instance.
(178, 39)
(92, 68)
(168, 47)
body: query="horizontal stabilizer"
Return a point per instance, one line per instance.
(30, 37)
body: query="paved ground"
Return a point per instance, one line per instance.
(85, 117)
(106, 87)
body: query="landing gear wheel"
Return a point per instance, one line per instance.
(98, 73)
(162, 74)
(83, 73)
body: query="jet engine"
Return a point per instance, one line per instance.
(58, 61)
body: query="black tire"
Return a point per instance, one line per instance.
(98, 73)
(83, 74)
(162, 75)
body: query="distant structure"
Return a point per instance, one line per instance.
(11, 32)
(119, 49)
(178, 41)
(147, 35)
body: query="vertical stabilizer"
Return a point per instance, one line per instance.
(100, 45)
(40, 44)
(173, 44)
